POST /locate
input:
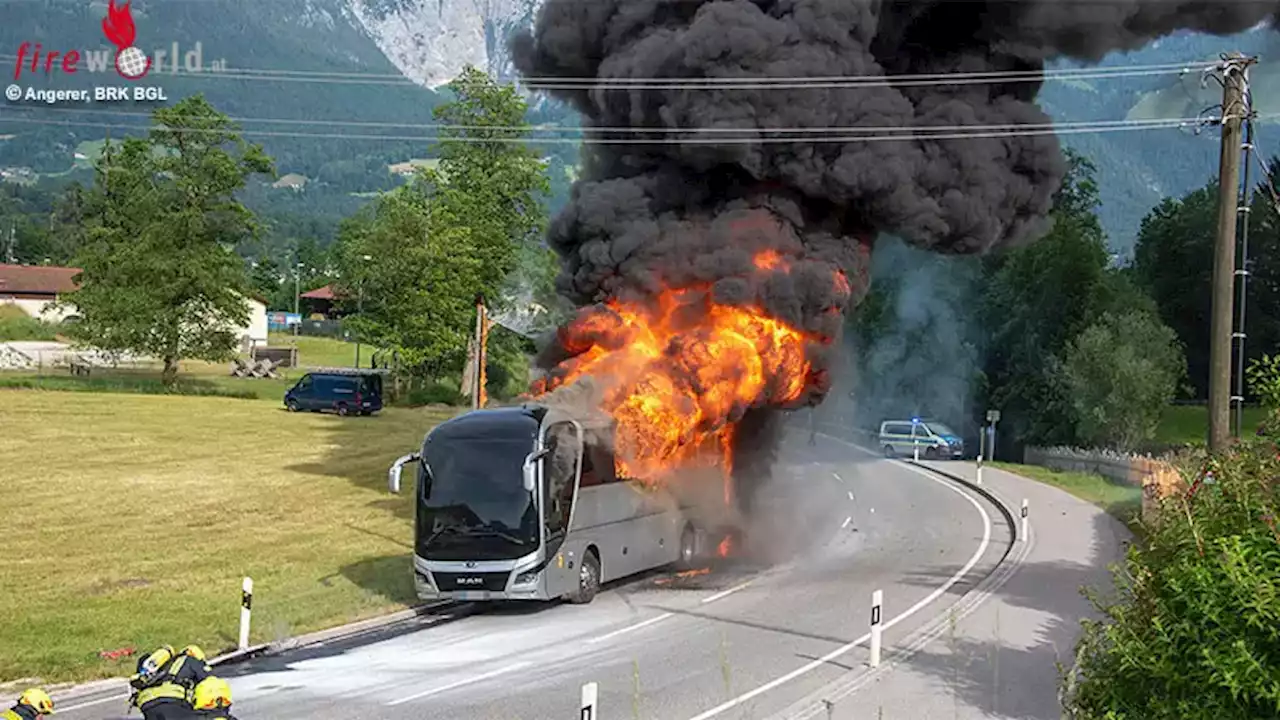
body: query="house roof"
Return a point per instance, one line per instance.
(42, 279)
(324, 293)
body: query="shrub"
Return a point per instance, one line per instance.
(434, 394)
(1193, 632)
(24, 327)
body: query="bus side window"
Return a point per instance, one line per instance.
(590, 477)
(560, 467)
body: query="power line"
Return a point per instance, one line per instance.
(1158, 124)
(870, 129)
(718, 83)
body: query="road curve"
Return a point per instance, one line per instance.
(738, 641)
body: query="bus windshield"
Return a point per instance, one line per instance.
(472, 504)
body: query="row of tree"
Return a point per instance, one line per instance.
(1072, 346)
(157, 236)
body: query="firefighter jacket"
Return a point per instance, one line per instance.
(173, 686)
(19, 712)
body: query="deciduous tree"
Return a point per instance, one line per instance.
(160, 276)
(1118, 375)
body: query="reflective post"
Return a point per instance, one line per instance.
(246, 603)
(590, 694)
(877, 599)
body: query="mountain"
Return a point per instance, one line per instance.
(338, 89)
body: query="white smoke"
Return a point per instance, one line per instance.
(916, 343)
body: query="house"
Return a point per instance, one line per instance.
(321, 300)
(36, 290)
(410, 167)
(293, 181)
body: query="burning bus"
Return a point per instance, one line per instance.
(527, 503)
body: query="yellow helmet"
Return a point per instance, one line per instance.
(38, 700)
(213, 693)
(193, 651)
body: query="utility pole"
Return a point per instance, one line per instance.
(1234, 111)
(297, 295)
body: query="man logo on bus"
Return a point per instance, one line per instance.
(131, 63)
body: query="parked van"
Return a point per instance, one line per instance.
(935, 440)
(348, 393)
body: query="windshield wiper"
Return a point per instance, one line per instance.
(451, 529)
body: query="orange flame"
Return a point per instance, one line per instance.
(725, 546)
(678, 374)
(118, 25)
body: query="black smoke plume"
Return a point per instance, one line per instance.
(648, 214)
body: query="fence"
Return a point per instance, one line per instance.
(1158, 477)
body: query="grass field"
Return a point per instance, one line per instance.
(195, 377)
(133, 518)
(1122, 501)
(1189, 424)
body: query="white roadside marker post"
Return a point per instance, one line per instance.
(1025, 520)
(590, 693)
(915, 450)
(246, 602)
(982, 450)
(877, 599)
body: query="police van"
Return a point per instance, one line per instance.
(935, 440)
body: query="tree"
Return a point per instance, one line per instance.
(1038, 298)
(1119, 375)
(160, 275)
(417, 288)
(1173, 262)
(459, 232)
(489, 177)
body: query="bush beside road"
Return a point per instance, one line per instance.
(136, 517)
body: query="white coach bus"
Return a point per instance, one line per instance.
(523, 503)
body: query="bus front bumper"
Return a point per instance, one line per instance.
(489, 577)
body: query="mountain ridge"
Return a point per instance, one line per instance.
(355, 83)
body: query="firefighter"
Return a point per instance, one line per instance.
(212, 699)
(165, 681)
(34, 703)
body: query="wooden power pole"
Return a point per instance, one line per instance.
(1235, 108)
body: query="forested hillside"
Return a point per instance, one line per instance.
(321, 85)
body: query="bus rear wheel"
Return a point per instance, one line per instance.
(688, 548)
(588, 579)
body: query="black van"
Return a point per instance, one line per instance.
(344, 393)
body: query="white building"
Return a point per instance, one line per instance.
(36, 290)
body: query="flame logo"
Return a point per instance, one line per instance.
(118, 26)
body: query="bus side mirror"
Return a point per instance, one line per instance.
(393, 477)
(530, 465)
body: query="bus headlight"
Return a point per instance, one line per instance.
(527, 577)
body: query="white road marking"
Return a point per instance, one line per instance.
(629, 628)
(846, 522)
(91, 703)
(850, 494)
(837, 477)
(458, 684)
(725, 593)
(843, 649)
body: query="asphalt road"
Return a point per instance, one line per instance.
(743, 640)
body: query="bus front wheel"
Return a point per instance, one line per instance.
(588, 579)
